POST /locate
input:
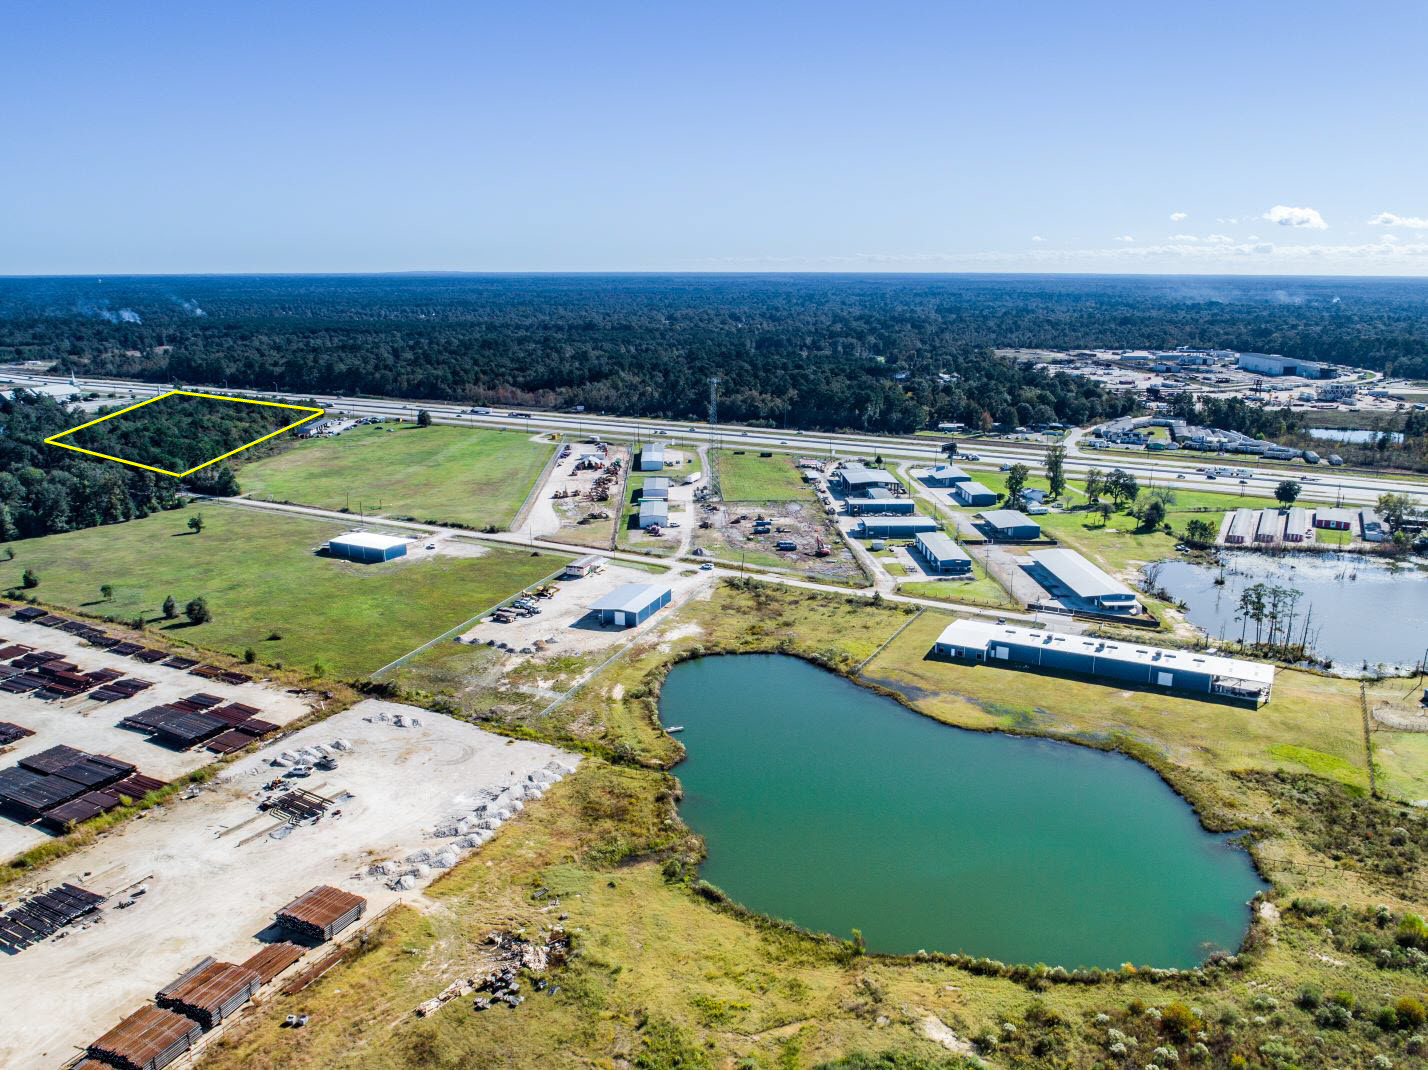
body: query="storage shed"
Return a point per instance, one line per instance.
(1241, 527)
(321, 913)
(655, 487)
(366, 547)
(970, 492)
(631, 603)
(1334, 519)
(942, 554)
(1011, 525)
(652, 458)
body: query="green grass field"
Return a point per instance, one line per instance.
(450, 475)
(747, 477)
(260, 576)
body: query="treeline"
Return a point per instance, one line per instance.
(45, 489)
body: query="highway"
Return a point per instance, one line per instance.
(1318, 483)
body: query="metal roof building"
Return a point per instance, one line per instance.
(970, 492)
(367, 548)
(1297, 527)
(1180, 670)
(1011, 525)
(1242, 525)
(1269, 525)
(1334, 519)
(1070, 571)
(856, 476)
(872, 527)
(652, 458)
(655, 487)
(942, 553)
(884, 504)
(631, 603)
(944, 475)
(653, 511)
(584, 566)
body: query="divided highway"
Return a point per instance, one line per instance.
(1319, 483)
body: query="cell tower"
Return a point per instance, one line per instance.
(714, 382)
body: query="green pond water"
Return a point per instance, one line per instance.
(835, 808)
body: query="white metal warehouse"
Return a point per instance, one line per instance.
(366, 547)
(631, 603)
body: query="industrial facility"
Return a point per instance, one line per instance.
(856, 479)
(894, 527)
(971, 493)
(945, 475)
(880, 500)
(631, 604)
(941, 553)
(1274, 364)
(1178, 670)
(1070, 578)
(1010, 525)
(366, 548)
(652, 512)
(652, 458)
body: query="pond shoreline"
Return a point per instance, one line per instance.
(1211, 819)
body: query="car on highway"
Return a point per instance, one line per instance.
(661, 431)
(1243, 482)
(1180, 476)
(969, 457)
(783, 442)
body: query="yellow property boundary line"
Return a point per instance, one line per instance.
(53, 440)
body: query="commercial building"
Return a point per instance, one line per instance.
(1371, 526)
(1010, 525)
(1334, 519)
(1065, 572)
(857, 479)
(631, 603)
(884, 503)
(970, 492)
(1241, 528)
(1274, 364)
(652, 458)
(945, 475)
(655, 487)
(893, 527)
(1297, 527)
(367, 548)
(942, 554)
(653, 511)
(1179, 670)
(1269, 526)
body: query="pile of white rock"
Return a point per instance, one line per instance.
(475, 827)
(401, 720)
(310, 755)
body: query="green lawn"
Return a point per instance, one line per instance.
(747, 477)
(449, 475)
(260, 576)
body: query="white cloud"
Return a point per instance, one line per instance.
(1288, 216)
(1037, 237)
(1225, 239)
(1184, 237)
(1176, 217)
(1389, 219)
(1125, 237)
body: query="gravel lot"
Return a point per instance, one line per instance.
(215, 876)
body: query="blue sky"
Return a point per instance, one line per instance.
(1213, 137)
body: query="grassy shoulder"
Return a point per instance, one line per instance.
(267, 588)
(438, 474)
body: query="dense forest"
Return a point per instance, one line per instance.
(890, 353)
(177, 432)
(45, 489)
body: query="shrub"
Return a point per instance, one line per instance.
(30, 579)
(1410, 1013)
(1179, 1021)
(1412, 932)
(1309, 997)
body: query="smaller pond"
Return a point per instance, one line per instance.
(1365, 609)
(1357, 435)
(831, 806)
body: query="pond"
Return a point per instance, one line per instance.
(1344, 434)
(1352, 598)
(835, 808)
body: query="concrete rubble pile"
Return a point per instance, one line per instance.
(511, 955)
(473, 828)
